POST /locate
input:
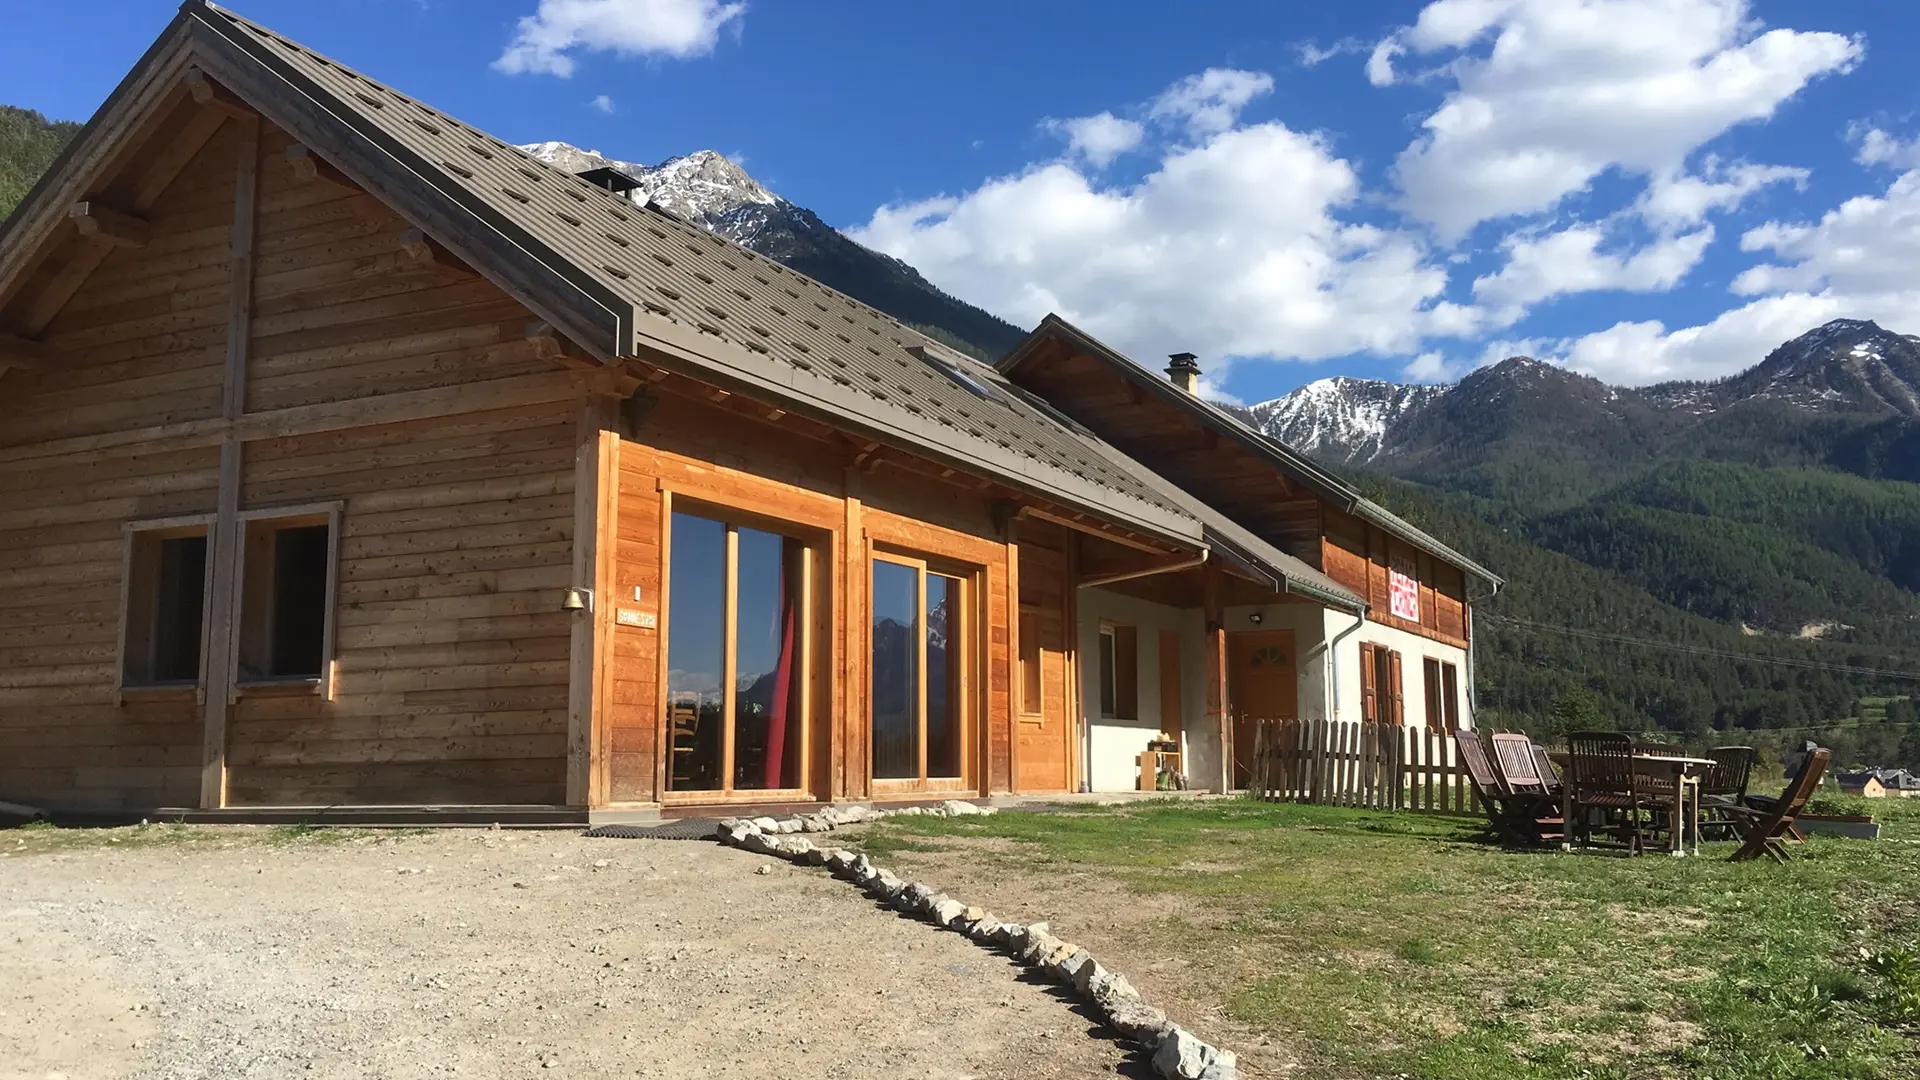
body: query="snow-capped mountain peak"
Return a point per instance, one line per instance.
(1341, 418)
(705, 187)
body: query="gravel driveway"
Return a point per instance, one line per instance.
(266, 953)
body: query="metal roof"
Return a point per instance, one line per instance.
(1288, 460)
(708, 301)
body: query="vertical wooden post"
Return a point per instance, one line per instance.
(217, 659)
(591, 519)
(1016, 683)
(851, 723)
(1219, 707)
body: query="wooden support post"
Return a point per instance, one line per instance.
(1219, 704)
(113, 227)
(852, 732)
(309, 168)
(594, 518)
(228, 541)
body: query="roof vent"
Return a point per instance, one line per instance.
(612, 179)
(1183, 369)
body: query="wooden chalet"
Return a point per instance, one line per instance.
(350, 457)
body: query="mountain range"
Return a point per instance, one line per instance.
(1736, 560)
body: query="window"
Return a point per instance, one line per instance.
(1030, 680)
(919, 660)
(286, 596)
(166, 605)
(737, 659)
(1443, 695)
(1381, 701)
(1119, 672)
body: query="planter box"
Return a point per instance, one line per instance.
(1851, 826)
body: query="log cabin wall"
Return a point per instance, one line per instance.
(383, 386)
(718, 463)
(1361, 556)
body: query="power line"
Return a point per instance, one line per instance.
(1703, 650)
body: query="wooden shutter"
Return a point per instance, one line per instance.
(1396, 684)
(1451, 682)
(1369, 685)
(1436, 703)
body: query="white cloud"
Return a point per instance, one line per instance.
(1210, 102)
(1234, 247)
(603, 104)
(1429, 367)
(1855, 262)
(1678, 199)
(1100, 138)
(1879, 148)
(1312, 55)
(1570, 261)
(545, 40)
(1564, 90)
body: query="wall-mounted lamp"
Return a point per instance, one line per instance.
(577, 599)
(1256, 618)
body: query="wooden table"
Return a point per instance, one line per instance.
(1683, 772)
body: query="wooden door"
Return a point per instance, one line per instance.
(1262, 684)
(1044, 712)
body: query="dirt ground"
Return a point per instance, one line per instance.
(259, 953)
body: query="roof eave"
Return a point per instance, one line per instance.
(1322, 483)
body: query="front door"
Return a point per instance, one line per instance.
(1261, 685)
(1043, 688)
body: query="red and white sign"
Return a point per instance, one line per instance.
(1404, 584)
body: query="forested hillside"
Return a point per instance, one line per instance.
(28, 144)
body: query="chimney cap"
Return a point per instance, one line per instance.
(1183, 363)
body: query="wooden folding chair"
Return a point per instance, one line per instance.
(1724, 784)
(1768, 833)
(1600, 777)
(1519, 772)
(1528, 818)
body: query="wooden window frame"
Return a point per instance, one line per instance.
(1032, 666)
(1382, 686)
(971, 589)
(1126, 670)
(135, 533)
(734, 518)
(286, 517)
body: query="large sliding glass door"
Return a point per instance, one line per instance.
(737, 658)
(918, 663)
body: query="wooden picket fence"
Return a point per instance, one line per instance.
(1371, 766)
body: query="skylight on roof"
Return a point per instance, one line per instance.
(970, 383)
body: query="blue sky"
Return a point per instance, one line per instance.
(1641, 189)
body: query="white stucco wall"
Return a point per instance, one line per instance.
(1316, 628)
(1117, 744)
(1412, 649)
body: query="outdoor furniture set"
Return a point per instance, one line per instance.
(1633, 795)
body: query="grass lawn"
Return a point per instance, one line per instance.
(1399, 945)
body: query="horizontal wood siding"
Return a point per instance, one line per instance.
(147, 348)
(456, 535)
(456, 544)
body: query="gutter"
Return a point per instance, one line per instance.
(1333, 673)
(1473, 643)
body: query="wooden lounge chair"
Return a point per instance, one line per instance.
(1548, 774)
(1519, 771)
(1724, 785)
(1768, 832)
(1600, 781)
(1529, 819)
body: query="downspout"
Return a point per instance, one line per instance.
(1086, 724)
(1333, 671)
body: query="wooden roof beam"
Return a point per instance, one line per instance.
(80, 265)
(115, 227)
(211, 95)
(309, 167)
(179, 153)
(18, 352)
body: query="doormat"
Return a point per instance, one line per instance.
(684, 829)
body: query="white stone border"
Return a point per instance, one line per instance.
(1177, 1053)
